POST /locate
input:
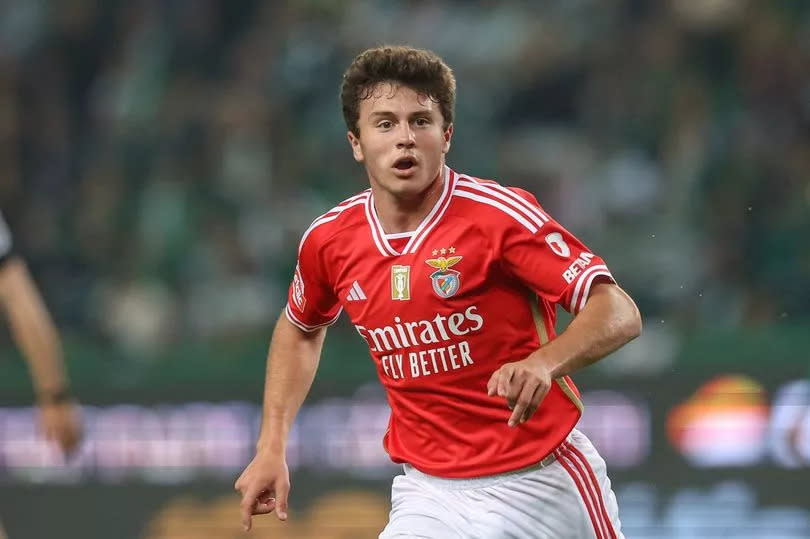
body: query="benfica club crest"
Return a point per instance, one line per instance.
(446, 281)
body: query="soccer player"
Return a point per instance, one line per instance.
(453, 282)
(34, 333)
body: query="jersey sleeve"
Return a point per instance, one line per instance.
(5, 241)
(549, 259)
(311, 301)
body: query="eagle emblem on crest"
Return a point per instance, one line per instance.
(446, 281)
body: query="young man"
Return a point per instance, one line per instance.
(453, 283)
(35, 335)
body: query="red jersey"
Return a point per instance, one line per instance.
(441, 308)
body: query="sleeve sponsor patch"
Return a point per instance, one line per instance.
(557, 243)
(580, 263)
(298, 296)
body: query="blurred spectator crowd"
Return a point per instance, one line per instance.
(160, 158)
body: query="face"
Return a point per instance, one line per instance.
(402, 143)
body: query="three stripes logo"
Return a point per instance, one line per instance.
(356, 293)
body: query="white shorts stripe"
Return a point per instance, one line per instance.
(585, 489)
(485, 200)
(580, 281)
(522, 206)
(599, 501)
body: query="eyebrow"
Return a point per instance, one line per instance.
(390, 114)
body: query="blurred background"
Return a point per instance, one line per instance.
(160, 159)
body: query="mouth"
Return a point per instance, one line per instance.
(405, 164)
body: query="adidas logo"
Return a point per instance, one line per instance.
(356, 293)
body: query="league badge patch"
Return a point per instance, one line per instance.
(446, 281)
(401, 283)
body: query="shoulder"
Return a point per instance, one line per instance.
(497, 204)
(349, 212)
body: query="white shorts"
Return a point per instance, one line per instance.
(566, 497)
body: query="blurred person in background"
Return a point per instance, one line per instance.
(38, 340)
(482, 420)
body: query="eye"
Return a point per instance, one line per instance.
(385, 124)
(422, 122)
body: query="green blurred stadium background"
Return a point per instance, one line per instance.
(160, 159)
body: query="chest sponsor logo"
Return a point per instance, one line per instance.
(446, 281)
(400, 283)
(298, 289)
(558, 245)
(414, 349)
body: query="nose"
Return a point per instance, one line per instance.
(406, 136)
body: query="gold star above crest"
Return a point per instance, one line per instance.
(443, 251)
(435, 252)
(452, 250)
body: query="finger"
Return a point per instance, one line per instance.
(70, 438)
(63, 438)
(522, 401)
(247, 505)
(282, 491)
(240, 482)
(515, 387)
(57, 435)
(504, 380)
(492, 384)
(265, 503)
(539, 395)
(264, 508)
(534, 404)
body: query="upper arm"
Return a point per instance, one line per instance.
(15, 280)
(609, 289)
(615, 304)
(287, 326)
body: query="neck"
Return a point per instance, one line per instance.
(398, 214)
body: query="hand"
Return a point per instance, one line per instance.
(60, 422)
(264, 486)
(524, 384)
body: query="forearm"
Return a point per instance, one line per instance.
(291, 365)
(609, 320)
(32, 328)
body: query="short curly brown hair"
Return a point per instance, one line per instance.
(419, 69)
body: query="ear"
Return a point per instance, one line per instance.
(357, 151)
(447, 135)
